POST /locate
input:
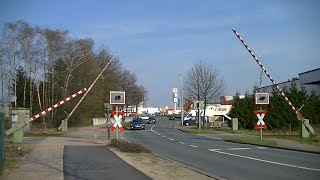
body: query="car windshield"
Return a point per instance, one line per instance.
(137, 121)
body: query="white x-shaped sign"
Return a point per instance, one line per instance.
(260, 121)
(117, 121)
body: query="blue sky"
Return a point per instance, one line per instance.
(158, 40)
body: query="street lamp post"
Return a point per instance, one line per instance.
(181, 99)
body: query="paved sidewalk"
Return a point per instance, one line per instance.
(282, 143)
(46, 159)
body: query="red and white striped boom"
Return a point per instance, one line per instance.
(299, 116)
(58, 104)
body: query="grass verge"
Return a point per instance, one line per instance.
(43, 132)
(313, 140)
(263, 142)
(127, 147)
(13, 154)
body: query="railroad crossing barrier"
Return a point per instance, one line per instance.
(308, 127)
(25, 123)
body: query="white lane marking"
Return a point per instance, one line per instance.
(232, 149)
(214, 149)
(163, 136)
(171, 139)
(152, 128)
(193, 146)
(266, 161)
(181, 142)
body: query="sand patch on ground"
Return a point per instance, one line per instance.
(160, 168)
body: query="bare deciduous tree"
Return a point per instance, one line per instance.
(203, 82)
(26, 37)
(76, 55)
(50, 65)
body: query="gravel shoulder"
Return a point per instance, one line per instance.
(160, 168)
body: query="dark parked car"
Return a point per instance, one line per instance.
(151, 120)
(137, 123)
(190, 121)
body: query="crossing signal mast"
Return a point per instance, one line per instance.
(299, 115)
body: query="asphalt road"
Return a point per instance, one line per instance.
(96, 162)
(225, 159)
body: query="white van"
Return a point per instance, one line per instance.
(211, 110)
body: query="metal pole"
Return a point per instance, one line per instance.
(88, 89)
(199, 119)
(260, 125)
(182, 109)
(117, 132)
(108, 129)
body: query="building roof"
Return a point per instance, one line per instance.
(310, 71)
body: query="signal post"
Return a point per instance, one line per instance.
(261, 99)
(117, 98)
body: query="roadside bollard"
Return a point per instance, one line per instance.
(108, 130)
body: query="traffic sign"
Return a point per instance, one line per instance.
(117, 121)
(260, 117)
(262, 98)
(117, 98)
(201, 104)
(175, 90)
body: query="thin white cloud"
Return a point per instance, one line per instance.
(163, 28)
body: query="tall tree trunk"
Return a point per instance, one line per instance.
(2, 90)
(52, 98)
(66, 85)
(24, 93)
(9, 93)
(39, 101)
(31, 95)
(15, 88)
